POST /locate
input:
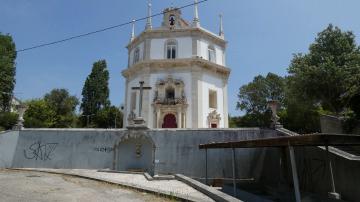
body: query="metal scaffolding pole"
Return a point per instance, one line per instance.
(333, 193)
(206, 168)
(294, 174)
(233, 170)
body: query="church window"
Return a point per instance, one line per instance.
(212, 99)
(133, 101)
(211, 54)
(171, 47)
(136, 55)
(170, 93)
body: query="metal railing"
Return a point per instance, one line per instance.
(335, 150)
(170, 101)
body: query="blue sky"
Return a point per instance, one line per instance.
(262, 35)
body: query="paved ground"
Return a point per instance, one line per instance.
(18, 186)
(167, 187)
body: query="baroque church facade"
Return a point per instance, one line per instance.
(183, 72)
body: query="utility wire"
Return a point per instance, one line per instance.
(104, 29)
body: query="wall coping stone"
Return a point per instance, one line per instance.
(151, 129)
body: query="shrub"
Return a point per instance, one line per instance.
(7, 120)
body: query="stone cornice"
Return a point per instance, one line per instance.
(181, 32)
(198, 64)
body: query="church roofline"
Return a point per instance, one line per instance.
(180, 32)
(160, 64)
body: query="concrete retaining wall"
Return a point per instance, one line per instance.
(314, 174)
(176, 151)
(90, 149)
(8, 142)
(333, 124)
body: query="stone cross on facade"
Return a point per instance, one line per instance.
(141, 88)
(172, 20)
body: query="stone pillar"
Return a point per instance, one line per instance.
(127, 109)
(158, 118)
(184, 120)
(179, 118)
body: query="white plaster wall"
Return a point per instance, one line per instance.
(157, 50)
(210, 82)
(202, 48)
(203, 51)
(220, 56)
(176, 151)
(141, 47)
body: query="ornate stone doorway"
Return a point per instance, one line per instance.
(170, 103)
(169, 121)
(213, 119)
(135, 152)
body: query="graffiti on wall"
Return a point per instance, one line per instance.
(40, 151)
(104, 149)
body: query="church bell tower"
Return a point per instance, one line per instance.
(182, 71)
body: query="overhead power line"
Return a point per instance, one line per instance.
(102, 30)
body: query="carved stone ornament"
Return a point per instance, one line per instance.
(131, 118)
(213, 118)
(170, 82)
(138, 150)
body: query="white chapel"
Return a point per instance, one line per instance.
(182, 70)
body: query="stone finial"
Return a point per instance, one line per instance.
(221, 30)
(148, 21)
(132, 31)
(274, 105)
(21, 108)
(196, 21)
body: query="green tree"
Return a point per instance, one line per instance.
(352, 94)
(234, 121)
(255, 119)
(55, 110)
(328, 75)
(298, 114)
(39, 114)
(253, 98)
(7, 71)
(109, 117)
(7, 120)
(95, 91)
(64, 105)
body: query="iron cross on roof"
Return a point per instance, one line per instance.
(172, 20)
(141, 88)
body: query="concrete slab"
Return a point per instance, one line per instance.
(29, 186)
(172, 188)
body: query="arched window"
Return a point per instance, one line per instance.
(211, 54)
(170, 93)
(170, 48)
(136, 55)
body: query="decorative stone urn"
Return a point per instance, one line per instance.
(21, 108)
(274, 105)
